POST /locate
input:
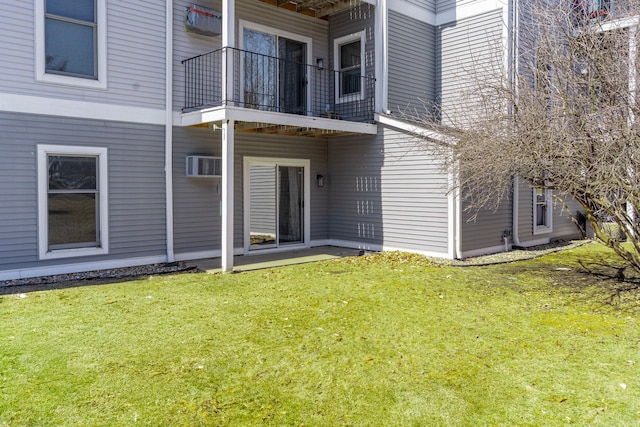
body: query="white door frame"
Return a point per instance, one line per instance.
(246, 178)
(278, 33)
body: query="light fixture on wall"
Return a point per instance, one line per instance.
(320, 180)
(320, 63)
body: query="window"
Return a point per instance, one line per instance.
(72, 201)
(349, 59)
(591, 9)
(542, 211)
(70, 46)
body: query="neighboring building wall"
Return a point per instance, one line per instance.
(187, 45)
(135, 55)
(197, 219)
(485, 234)
(136, 186)
(562, 225)
(470, 49)
(387, 192)
(412, 65)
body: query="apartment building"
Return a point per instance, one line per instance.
(145, 132)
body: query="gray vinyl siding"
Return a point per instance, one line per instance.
(136, 186)
(187, 45)
(197, 219)
(467, 46)
(562, 225)
(387, 190)
(412, 63)
(135, 55)
(486, 231)
(429, 5)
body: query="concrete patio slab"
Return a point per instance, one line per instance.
(260, 261)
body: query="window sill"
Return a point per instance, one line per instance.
(71, 253)
(542, 230)
(350, 98)
(72, 81)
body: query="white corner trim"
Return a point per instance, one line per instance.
(46, 106)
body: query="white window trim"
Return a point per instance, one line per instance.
(336, 65)
(43, 178)
(548, 228)
(43, 76)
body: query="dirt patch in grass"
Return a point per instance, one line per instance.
(96, 277)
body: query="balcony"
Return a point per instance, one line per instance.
(276, 95)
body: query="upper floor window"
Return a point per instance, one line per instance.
(70, 47)
(590, 9)
(349, 62)
(70, 38)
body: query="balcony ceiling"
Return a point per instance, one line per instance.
(316, 8)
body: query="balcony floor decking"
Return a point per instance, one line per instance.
(269, 122)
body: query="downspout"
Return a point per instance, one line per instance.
(514, 226)
(381, 50)
(168, 130)
(513, 76)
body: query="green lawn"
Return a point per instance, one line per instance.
(376, 340)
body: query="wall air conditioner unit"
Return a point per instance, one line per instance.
(204, 167)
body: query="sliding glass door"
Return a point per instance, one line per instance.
(274, 72)
(275, 204)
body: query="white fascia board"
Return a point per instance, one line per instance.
(619, 23)
(248, 115)
(29, 104)
(414, 129)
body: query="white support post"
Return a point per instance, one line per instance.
(228, 43)
(228, 136)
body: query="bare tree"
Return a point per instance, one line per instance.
(562, 116)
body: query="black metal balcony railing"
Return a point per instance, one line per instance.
(268, 83)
